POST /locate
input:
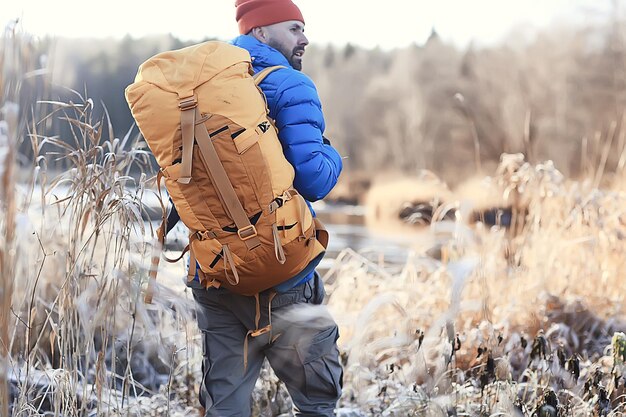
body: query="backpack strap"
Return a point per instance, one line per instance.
(258, 79)
(260, 76)
(246, 231)
(188, 107)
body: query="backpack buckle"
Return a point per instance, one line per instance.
(247, 232)
(205, 234)
(187, 103)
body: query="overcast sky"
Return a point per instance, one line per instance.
(387, 23)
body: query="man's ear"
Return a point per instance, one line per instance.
(260, 34)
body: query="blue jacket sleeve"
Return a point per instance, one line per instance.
(300, 122)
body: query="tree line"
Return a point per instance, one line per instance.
(559, 95)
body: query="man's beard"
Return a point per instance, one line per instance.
(289, 54)
(297, 65)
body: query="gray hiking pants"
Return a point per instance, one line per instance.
(304, 354)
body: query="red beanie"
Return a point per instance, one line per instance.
(254, 13)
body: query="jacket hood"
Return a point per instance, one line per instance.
(263, 55)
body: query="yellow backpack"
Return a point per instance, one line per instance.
(206, 121)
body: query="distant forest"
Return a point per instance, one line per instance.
(560, 95)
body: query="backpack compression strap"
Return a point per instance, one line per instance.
(187, 122)
(246, 231)
(189, 113)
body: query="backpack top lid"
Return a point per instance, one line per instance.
(182, 70)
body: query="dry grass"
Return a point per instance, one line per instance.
(76, 337)
(502, 320)
(82, 339)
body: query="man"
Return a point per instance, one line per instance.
(302, 350)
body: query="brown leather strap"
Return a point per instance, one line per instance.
(260, 76)
(188, 107)
(232, 205)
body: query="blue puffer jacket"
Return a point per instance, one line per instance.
(296, 109)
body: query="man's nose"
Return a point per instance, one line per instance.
(303, 40)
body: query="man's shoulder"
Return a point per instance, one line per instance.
(287, 78)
